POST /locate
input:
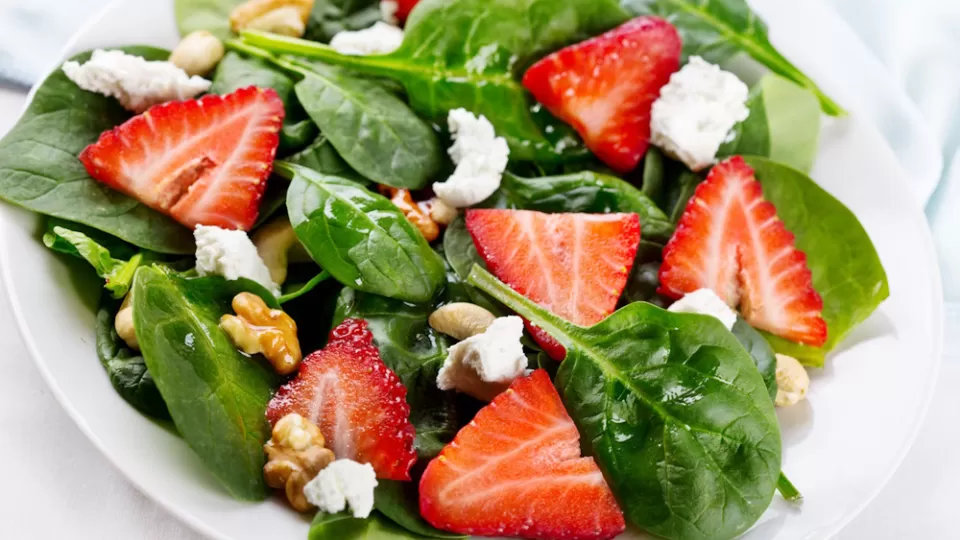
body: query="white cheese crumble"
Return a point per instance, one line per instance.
(381, 38)
(388, 10)
(484, 365)
(137, 83)
(706, 302)
(343, 482)
(480, 157)
(696, 111)
(232, 255)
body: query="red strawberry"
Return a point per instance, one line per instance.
(203, 162)
(575, 265)
(358, 402)
(606, 86)
(730, 240)
(516, 471)
(404, 7)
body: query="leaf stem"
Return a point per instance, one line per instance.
(272, 43)
(788, 490)
(307, 287)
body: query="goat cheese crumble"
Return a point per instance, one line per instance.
(232, 255)
(706, 302)
(484, 365)
(381, 38)
(480, 157)
(341, 483)
(388, 11)
(696, 111)
(136, 83)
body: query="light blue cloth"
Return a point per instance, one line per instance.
(918, 41)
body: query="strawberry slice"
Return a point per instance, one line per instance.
(516, 471)
(605, 87)
(358, 402)
(575, 265)
(730, 240)
(203, 162)
(404, 7)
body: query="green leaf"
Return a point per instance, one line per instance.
(296, 290)
(211, 15)
(360, 237)
(846, 268)
(297, 135)
(461, 254)
(645, 276)
(40, 172)
(344, 526)
(679, 192)
(126, 368)
(585, 192)
(372, 130)
(117, 273)
(322, 157)
(784, 125)
(216, 395)
(415, 352)
(399, 501)
(761, 352)
(330, 17)
(676, 413)
(235, 72)
(654, 174)
(717, 29)
(472, 54)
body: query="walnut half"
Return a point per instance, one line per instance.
(295, 455)
(421, 219)
(257, 329)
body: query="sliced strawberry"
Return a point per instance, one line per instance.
(605, 87)
(575, 265)
(730, 240)
(358, 402)
(404, 7)
(203, 162)
(516, 471)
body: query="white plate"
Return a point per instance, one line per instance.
(841, 446)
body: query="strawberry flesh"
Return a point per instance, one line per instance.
(605, 87)
(203, 162)
(730, 240)
(404, 7)
(516, 471)
(358, 403)
(575, 265)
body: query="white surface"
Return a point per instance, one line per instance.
(56, 455)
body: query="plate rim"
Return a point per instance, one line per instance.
(171, 507)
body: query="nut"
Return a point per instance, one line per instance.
(295, 455)
(402, 199)
(286, 17)
(198, 53)
(792, 381)
(257, 329)
(441, 212)
(123, 323)
(461, 320)
(278, 246)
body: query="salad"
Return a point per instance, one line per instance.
(450, 268)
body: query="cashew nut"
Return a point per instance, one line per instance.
(198, 53)
(792, 381)
(278, 246)
(402, 199)
(257, 329)
(123, 323)
(461, 320)
(285, 17)
(295, 455)
(441, 212)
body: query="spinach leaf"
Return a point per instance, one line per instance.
(784, 125)
(296, 290)
(322, 157)
(211, 15)
(760, 351)
(344, 526)
(415, 352)
(654, 174)
(273, 200)
(675, 411)
(372, 130)
(117, 273)
(39, 169)
(399, 501)
(360, 237)
(461, 254)
(117, 247)
(679, 190)
(847, 271)
(471, 54)
(585, 192)
(645, 276)
(126, 368)
(216, 395)
(297, 135)
(330, 17)
(717, 29)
